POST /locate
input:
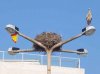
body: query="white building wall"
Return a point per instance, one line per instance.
(35, 68)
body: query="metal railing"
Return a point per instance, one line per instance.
(41, 59)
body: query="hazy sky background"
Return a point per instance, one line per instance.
(65, 17)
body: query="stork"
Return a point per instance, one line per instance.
(89, 17)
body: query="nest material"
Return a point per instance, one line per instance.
(48, 39)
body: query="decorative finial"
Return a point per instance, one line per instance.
(89, 17)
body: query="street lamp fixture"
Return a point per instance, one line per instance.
(15, 50)
(88, 30)
(12, 49)
(82, 52)
(12, 29)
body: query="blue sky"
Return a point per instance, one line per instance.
(65, 17)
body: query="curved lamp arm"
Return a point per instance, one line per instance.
(72, 51)
(18, 50)
(32, 40)
(68, 40)
(69, 51)
(15, 50)
(31, 50)
(81, 51)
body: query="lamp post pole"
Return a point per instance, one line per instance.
(49, 61)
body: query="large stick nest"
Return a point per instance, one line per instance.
(48, 39)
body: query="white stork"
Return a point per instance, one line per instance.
(89, 17)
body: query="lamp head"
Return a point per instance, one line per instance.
(12, 29)
(89, 30)
(82, 52)
(12, 49)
